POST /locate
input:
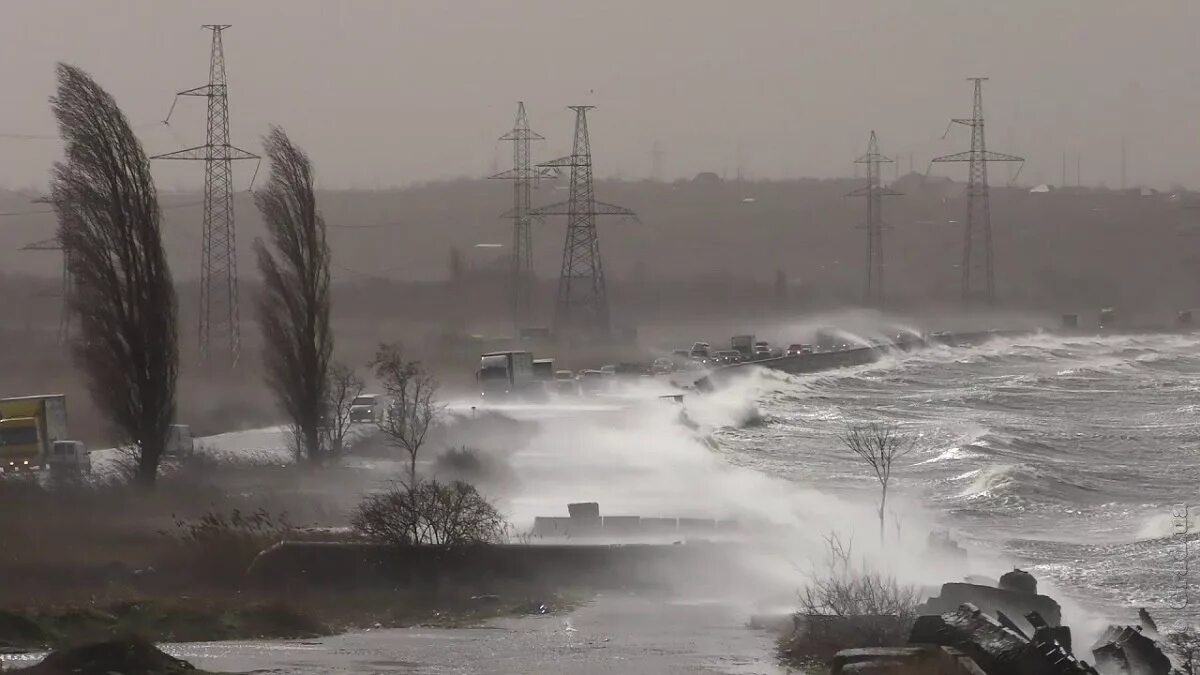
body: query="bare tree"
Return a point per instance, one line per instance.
(430, 512)
(293, 308)
(108, 218)
(344, 386)
(412, 406)
(879, 446)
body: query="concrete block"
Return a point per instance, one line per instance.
(545, 526)
(584, 510)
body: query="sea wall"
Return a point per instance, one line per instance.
(299, 565)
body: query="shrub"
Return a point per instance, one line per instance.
(429, 512)
(461, 462)
(220, 547)
(846, 607)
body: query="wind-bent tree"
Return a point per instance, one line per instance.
(293, 309)
(108, 219)
(412, 406)
(878, 446)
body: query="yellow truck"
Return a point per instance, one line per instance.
(29, 428)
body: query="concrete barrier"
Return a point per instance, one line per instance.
(622, 525)
(660, 525)
(299, 565)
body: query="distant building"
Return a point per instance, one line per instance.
(706, 178)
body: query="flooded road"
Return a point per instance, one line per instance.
(613, 634)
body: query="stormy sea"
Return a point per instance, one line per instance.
(1067, 456)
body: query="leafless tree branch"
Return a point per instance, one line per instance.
(878, 446)
(413, 407)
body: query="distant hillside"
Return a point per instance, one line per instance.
(1056, 247)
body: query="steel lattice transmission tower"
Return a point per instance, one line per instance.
(977, 231)
(523, 175)
(874, 192)
(68, 283)
(219, 314)
(582, 305)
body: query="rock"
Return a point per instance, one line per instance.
(1014, 603)
(1124, 649)
(994, 648)
(128, 656)
(1018, 581)
(1149, 628)
(17, 630)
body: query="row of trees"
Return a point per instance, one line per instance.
(127, 346)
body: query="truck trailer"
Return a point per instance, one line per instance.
(505, 373)
(29, 427)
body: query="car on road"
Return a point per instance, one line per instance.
(728, 356)
(700, 350)
(565, 383)
(799, 349)
(592, 382)
(662, 366)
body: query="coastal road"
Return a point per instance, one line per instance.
(613, 634)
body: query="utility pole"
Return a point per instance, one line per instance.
(523, 175)
(1123, 163)
(219, 315)
(874, 191)
(978, 225)
(581, 309)
(656, 161)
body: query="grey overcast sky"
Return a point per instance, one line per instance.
(390, 92)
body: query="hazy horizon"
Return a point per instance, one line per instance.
(386, 94)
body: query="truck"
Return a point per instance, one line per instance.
(743, 344)
(505, 373)
(180, 443)
(29, 427)
(543, 370)
(367, 409)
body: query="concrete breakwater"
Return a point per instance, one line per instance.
(298, 565)
(585, 522)
(858, 356)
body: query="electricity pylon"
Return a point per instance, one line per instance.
(523, 175)
(581, 309)
(219, 312)
(68, 285)
(978, 225)
(874, 191)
